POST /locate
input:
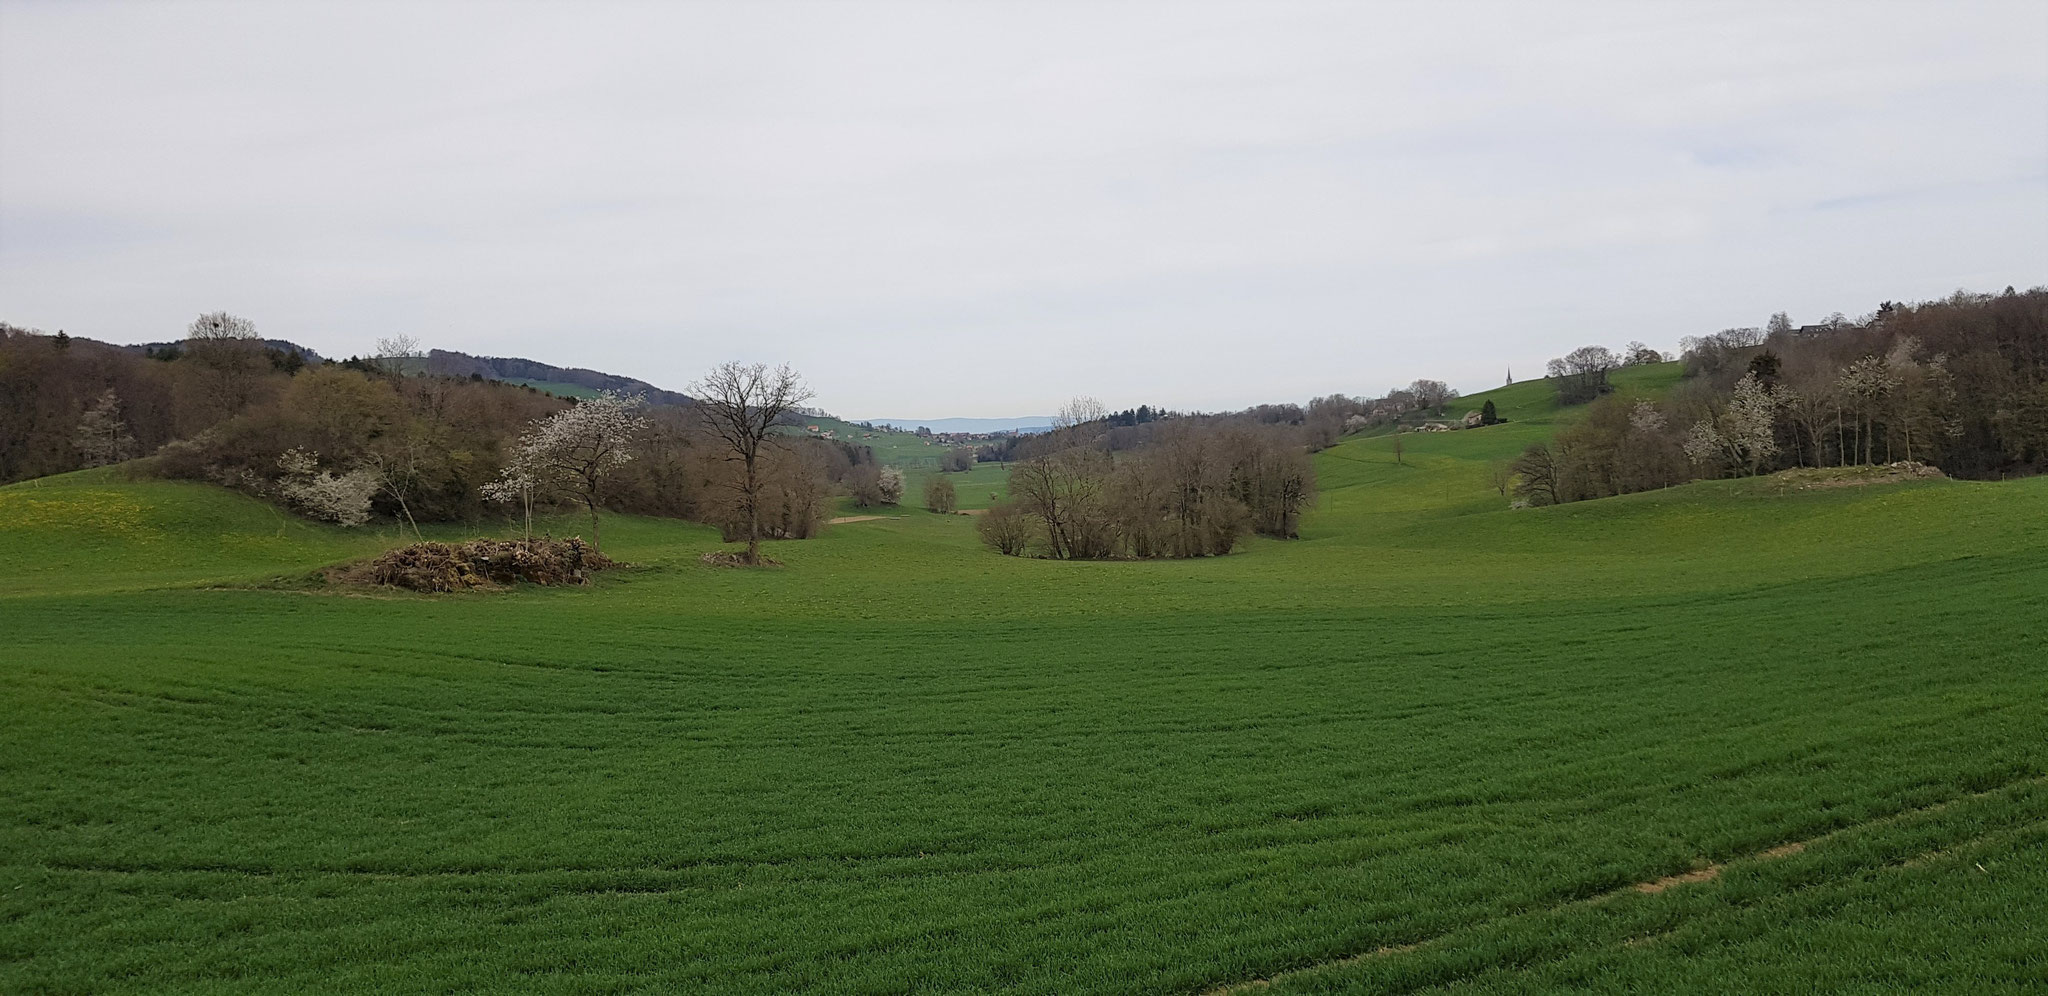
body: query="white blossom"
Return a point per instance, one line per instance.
(1750, 422)
(1645, 418)
(1703, 443)
(341, 498)
(569, 454)
(1743, 435)
(102, 437)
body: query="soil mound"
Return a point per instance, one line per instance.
(1806, 478)
(727, 558)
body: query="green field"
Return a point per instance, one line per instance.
(557, 388)
(1433, 746)
(918, 457)
(907, 450)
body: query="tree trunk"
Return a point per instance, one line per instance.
(407, 509)
(590, 502)
(753, 515)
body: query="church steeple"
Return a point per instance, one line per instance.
(1511, 375)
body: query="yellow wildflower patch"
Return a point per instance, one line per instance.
(83, 510)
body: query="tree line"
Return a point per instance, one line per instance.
(375, 437)
(1959, 383)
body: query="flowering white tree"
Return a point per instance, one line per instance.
(1743, 435)
(572, 453)
(890, 481)
(516, 483)
(1645, 418)
(1703, 443)
(342, 498)
(102, 437)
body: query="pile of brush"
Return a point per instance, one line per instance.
(487, 563)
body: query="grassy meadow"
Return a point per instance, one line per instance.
(559, 389)
(1435, 745)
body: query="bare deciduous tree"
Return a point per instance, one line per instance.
(397, 474)
(393, 352)
(864, 484)
(1080, 411)
(1537, 470)
(1501, 474)
(1007, 528)
(793, 489)
(1582, 373)
(228, 348)
(1063, 491)
(1431, 394)
(741, 403)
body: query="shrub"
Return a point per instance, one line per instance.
(939, 495)
(1006, 529)
(864, 483)
(342, 498)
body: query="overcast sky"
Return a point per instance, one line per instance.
(952, 209)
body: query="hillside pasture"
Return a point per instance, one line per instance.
(557, 388)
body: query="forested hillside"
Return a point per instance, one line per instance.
(1960, 384)
(449, 363)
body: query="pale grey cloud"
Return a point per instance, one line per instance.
(978, 209)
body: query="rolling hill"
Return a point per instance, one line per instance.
(1732, 736)
(571, 382)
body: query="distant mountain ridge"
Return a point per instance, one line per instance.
(1021, 423)
(513, 368)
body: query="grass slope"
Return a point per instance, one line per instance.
(902, 763)
(918, 457)
(91, 532)
(557, 388)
